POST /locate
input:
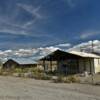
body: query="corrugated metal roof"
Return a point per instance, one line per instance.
(23, 61)
(83, 54)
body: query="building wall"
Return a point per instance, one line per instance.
(97, 65)
(10, 65)
(47, 65)
(86, 64)
(27, 65)
(94, 63)
(80, 66)
(69, 66)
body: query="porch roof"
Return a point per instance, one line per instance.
(85, 55)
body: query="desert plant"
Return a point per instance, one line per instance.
(58, 79)
(18, 70)
(41, 76)
(37, 70)
(1, 72)
(73, 79)
(68, 79)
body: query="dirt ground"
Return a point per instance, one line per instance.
(12, 88)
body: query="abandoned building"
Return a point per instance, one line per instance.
(19, 63)
(70, 62)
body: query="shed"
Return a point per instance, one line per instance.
(19, 63)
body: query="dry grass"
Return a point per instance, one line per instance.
(67, 79)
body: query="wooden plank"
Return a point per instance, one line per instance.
(90, 66)
(84, 64)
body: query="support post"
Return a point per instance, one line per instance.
(84, 65)
(51, 64)
(78, 65)
(44, 64)
(58, 70)
(90, 66)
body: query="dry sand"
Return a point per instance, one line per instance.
(12, 88)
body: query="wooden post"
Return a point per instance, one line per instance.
(78, 65)
(84, 65)
(44, 64)
(58, 70)
(90, 66)
(51, 64)
(93, 71)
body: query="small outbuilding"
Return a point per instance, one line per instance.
(10, 64)
(70, 62)
(19, 63)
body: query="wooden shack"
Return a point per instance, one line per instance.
(19, 63)
(70, 63)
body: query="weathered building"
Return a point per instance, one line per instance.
(19, 63)
(70, 62)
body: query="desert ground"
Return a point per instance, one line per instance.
(13, 88)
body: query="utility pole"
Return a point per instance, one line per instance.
(92, 45)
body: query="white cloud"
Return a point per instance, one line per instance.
(30, 9)
(12, 25)
(88, 34)
(36, 53)
(32, 52)
(64, 45)
(11, 31)
(87, 46)
(34, 11)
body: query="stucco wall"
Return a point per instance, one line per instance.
(97, 65)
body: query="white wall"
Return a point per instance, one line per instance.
(97, 65)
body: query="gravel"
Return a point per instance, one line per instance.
(14, 88)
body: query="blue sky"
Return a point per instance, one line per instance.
(40, 23)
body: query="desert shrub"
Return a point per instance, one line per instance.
(16, 74)
(52, 72)
(68, 79)
(41, 76)
(58, 79)
(73, 79)
(18, 70)
(37, 70)
(45, 77)
(5, 72)
(1, 72)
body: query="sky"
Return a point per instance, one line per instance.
(42, 23)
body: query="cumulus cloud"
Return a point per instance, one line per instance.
(37, 53)
(31, 53)
(87, 46)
